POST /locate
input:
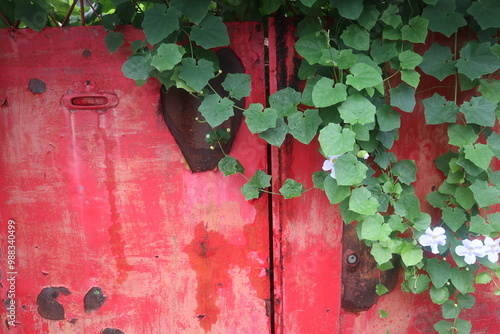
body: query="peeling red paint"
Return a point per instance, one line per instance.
(212, 257)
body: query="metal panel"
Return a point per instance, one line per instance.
(307, 230)
(104, 204)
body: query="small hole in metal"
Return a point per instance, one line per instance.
(352, 259)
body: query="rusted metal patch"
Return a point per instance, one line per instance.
(37, 86)
(48, 305)
(360, 274)
(111, 331)
(180, 111)
(93, 299)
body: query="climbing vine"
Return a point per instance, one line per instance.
(361, 69)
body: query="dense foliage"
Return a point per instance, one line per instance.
(361, 71)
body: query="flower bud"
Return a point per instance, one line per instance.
(363, 154)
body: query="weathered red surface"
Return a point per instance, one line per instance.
(307, 230)
(105, 200)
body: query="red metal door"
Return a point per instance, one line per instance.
(112, 231)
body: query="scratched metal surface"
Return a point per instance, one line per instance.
(105, 200)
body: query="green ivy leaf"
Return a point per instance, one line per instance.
(479, 154)
(454, 217)
(356, 37)
(381, 255)
(238, 85)
(335, 140)
(479, 111)
(229, 165)
(349, 9)
(416, 30)
(422, 221)
(494, 143)
(443, 327)
(270, 6)
(408, 205)
(483, 278)
(304, 126)
(463, 326)
(390, 17)
(444, 18)
(486, 13)
(311, 47)
(210, 33)
(371, 227)
(489, 89)
(137, 67)
(195, 73)
(380, 289)
(308, 3)
(253, 188)
(406, 170)
(418, 283)
(439, 271)
(261, 179)
(409, 59)
(461, 135)
(114, 40)
(465, 301)
(258, 121)
(484, 194)
(411, 77)
(216, 109)
(439, 295)
(250, 190)
(110, 21)
(285, 101)
(392, 34)
(167, 56)
(382, 51)
(462, 279)
(387, 118)
(369, 17)
(357, 109)
(275, 136)
(194, 10)
(465, 197)
(363, 76)
(411, 255)
(363, 202)
(476, 60)
(349, 170)
(291, 188)
(327, 93)
(450, 310)
(334, 192)
(396, 223)
(438, 110)
(438, 62)
(403, 97)
(32, 13)
(159, 22)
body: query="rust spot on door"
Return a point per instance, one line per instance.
(111, 331)
(93, 299)
(360, 274)
(48, 305)
(37, 86)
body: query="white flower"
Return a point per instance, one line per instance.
(470, 250)
(491, 248)
(329, 164)
(433, 238)
(366, 156)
